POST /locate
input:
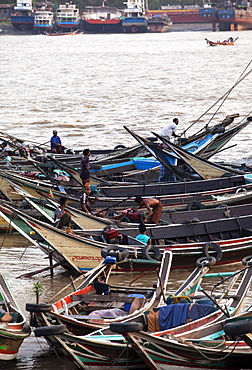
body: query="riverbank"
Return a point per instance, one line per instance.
(8, 30)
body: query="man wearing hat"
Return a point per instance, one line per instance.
(56, 146)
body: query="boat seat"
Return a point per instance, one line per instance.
(88, 298)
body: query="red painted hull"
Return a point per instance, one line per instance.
(181, 15)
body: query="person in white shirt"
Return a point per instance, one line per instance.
(170, 130)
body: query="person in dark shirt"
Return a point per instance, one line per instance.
(85, 167)
(56, 146)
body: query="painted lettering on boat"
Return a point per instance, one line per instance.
(90, 258)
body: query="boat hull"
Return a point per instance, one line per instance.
(135, 24)
(22, 23)
(104, 26)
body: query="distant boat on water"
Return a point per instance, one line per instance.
(159, 23)
(101, 19)
(43, 20)
(134, 19)
(67, 17)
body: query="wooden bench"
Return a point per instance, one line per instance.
(87, 298)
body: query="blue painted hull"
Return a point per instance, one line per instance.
(135, 24)
(22, 21)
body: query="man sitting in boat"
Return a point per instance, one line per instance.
(61, 216)
(142, 236)
(56, 146)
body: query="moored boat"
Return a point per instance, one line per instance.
(134, 19)
(23, 16)
(14, 328)
(83, 311)
(159, 23)
(67, 17)
(196, 344)
(101, 19)
(43, 20)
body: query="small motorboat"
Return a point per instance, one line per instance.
(229, 41)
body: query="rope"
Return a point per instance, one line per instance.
(196, 348)
(222, 97)
(118, 357)
(214, 359)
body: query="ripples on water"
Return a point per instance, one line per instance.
(88, 87)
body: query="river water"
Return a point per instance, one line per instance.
(88, 87)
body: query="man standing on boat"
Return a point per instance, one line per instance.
(167, 132)
(56, 146)
(170, 130)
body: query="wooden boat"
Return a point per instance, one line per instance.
(165, 154)
(202, 167)
(76, 32)
(229, 239)
(230, 41)
(192, 351)
(237, 193)
(77, 252)
(102, 351)
(214, 187)
(13, 328)
(78, 310)
(100, 348)
(206, 214)
(196, 347)
(159, 23)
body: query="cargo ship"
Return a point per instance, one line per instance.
(23, 16)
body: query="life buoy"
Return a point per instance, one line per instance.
(194, 204)
(118, 147)
(42, 307)
(247, 261)
(115, 251)
(241, 190)
(110, 227)
(124, 327)
(211, 245)
(238, 328)
(45, 331)
(205, 261)
(151, 248)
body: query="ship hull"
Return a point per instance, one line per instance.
(98, 26)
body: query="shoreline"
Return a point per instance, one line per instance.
(8, 30)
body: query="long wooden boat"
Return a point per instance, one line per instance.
(100, 348)
(195, 346)
(202, 167)
(171, 188)
(13, 328)
(206, 214)
(101, 352)
(72, 250)
(225, 42)
(78, 310)
(229, 239)
(165, 154)
(238, 193)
